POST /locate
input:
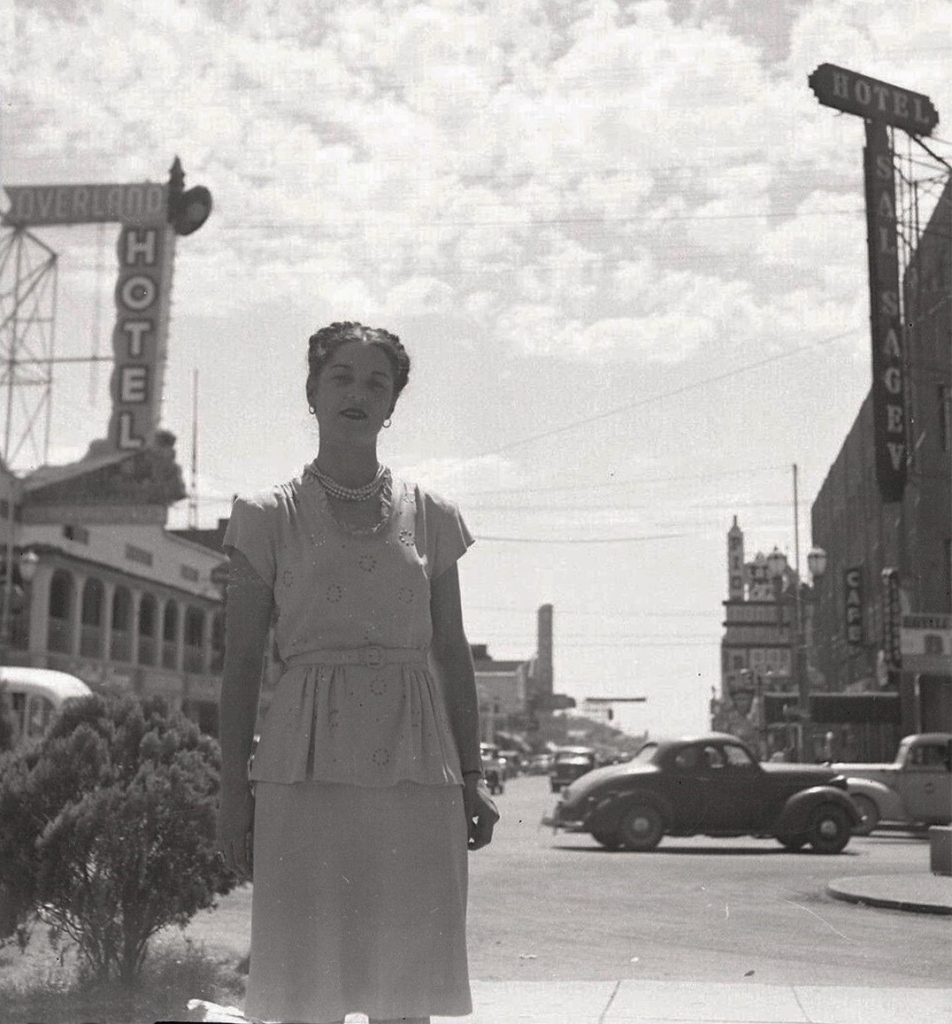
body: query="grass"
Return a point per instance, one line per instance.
(43, 984)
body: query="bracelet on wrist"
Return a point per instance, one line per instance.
(478, 772)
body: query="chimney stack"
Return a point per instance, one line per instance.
(543, 681)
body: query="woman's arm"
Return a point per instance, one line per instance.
(455, 662)
(247, 622)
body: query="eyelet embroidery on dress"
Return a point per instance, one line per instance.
(367, 562)
(333, 719)
(406, 537)
(334, 592)
(380, 757)
(287, 577)
(405, 595)
(378, 686)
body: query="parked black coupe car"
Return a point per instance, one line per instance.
(707, 785)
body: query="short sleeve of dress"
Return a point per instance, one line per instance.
(447, 536)
(250, 531)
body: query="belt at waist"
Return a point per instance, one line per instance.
(371, 656)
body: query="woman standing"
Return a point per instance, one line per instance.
(367, 781)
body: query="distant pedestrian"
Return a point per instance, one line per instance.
(366, 786)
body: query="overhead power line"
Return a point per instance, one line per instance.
(628, 482)
(651, 399)
(581, 540)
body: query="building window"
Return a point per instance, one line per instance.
(947, 573)
(60, 611)
(90, 638)
(190, 573)
(945, 417)
(148, 614)
(77, 533)
(135, 554)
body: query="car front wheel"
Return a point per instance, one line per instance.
(641, 828)
(869, 813)
(830, 829)
(793, 843)
(609, 840)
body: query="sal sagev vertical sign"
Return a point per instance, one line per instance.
(881, 105)
(151, 216)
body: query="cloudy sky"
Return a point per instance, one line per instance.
(622, 241)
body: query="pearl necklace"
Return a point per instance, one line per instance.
(337, 490)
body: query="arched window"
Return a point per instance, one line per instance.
(218, 642)
(60, 609)
(194, 634)
(148, 621)
(170, 632)
(121, 643)
(90, 636)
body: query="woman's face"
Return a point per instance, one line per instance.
(354, 393)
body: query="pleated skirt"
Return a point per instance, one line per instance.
(358, 902)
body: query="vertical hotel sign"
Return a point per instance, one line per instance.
(151, 216)
(881, 104)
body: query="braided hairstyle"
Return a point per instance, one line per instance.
(325, 341)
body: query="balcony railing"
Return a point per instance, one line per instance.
(193, 659)
(90, 641)
(60, 636)
(169, 654)
(120, 647)
(146, 650)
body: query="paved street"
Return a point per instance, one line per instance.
(547, 907)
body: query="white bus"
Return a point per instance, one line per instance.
(31, 698)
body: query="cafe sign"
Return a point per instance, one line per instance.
(892, 620)
(853, 605)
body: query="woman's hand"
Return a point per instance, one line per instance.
(235, 833)
(481, 812)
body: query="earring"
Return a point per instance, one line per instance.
(311, 409)
(387, 422)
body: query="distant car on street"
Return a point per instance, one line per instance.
(539, 764)
(570, 763)
(513, 762)
(707, 785)
(915, 788)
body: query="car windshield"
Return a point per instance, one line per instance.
(646, 753)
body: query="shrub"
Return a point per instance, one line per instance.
(107, 829)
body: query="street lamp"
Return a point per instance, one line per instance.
(27, 566)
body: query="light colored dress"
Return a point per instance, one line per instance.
(360, 854)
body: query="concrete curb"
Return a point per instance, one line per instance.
(919, 893)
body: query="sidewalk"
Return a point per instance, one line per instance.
(693, 1002)
(676, 1002)
(915, 891)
